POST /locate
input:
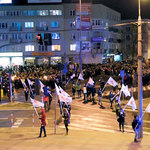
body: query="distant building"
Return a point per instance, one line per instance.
(130, 39)
(22, 28)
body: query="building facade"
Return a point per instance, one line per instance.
(92, 35)
(130, 39)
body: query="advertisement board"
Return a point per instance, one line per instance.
(44, 1)
(85, 22)
(85, 9)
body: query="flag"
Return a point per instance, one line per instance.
(30, 82)
(63, 98)
(73, 75)
(57, 89)
(80, 77)
(148, 108)
(37, 103)
(23, 83)
(41, 86)
(112, 82)
(132, 103)
(63, 92)
(125, 90)
(90, 81)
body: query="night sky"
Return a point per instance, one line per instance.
(127, 8)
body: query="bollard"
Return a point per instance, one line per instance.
(11, 120)
(33, 119)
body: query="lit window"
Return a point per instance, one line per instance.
(29, 48)
(56, 47)
(42, 12)
(73, 47)
(29, 24)
(55, 12)
(56, 60)
(55, 36)
(54, 24)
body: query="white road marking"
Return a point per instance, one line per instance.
(3, 118)
(17, 123)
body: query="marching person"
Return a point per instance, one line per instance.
(43, 122)
(135, 125)
(121, 119)
(85, 93)
(100, 97)
(66, 117)
(111, 100)
(26, 92)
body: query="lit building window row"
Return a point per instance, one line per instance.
(29, 48)
(56, 47)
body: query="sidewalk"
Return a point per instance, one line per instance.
(26, 139)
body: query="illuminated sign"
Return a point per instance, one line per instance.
(7, 54)
(44, 1)
(42, 53)
(5, 1)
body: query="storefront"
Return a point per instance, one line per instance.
(8, 59)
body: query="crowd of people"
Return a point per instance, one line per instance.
(49, 75)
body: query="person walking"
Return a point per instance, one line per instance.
(66, 117)
(85, 93)
(135, 125)
(93, 94)
(121, 119)
(79, 90)
(43, 122)
(73, 90)
(111, 95)
(26, 92)
(100, 97)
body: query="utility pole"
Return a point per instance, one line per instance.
(140, 57)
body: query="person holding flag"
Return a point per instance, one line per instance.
(43, 122)
(135, 125)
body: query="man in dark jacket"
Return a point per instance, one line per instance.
(135, 125)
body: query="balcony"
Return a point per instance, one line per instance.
(42, 28)
(15, 29)
(15, 41)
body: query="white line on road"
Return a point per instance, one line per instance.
(3, 118)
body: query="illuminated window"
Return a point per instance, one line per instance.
(55, 12)
(55, 36)
(73, 47)
(29, 24)
(29, 48)
(42, 12)
(55, 60)
(54, 24)
(56, 47)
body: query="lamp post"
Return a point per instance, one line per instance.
(140, 57)
(80, 55)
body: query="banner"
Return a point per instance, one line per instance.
(80, 77)
(112, 82)
(37, 103)
(132, 103)
(125, 90)
(91, 81)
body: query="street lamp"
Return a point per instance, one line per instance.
(80, 55)
(140, 85)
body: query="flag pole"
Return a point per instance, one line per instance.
(104, 87)
(67, 82)
(55, 110)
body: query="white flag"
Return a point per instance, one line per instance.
(90, 81)
(73, 75)
(112, 82)
(148, 108)
(80, 77)
(132, 103)
(30, 82)
(41, 86)
(37, 103)
(63, 92)
(66, 99)
(57, 89)
(23, 83)
(125, 90)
